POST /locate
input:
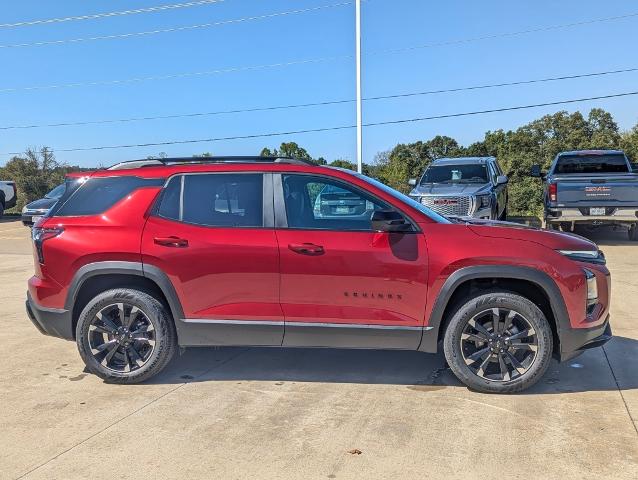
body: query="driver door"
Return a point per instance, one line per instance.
(343, 284)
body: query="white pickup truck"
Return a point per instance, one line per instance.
(8, 195)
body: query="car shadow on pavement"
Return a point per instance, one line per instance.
(591, 371)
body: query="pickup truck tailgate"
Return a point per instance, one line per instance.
(591, 190)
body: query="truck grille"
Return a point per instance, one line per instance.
(448, 205)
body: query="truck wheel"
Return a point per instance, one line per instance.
(125, 336)
(498, 342)
(633, 233)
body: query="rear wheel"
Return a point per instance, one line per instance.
(498, 342)
(125, 336)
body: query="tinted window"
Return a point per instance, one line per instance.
(57, 192)
(169, 204)
(455, 174)
(321, 203)
(97, 195)
(614, 163)
(224, 200)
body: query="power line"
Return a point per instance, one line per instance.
(294, 62)
(177, 29)
(178, 75)
(335, 128)
(508, 34)
(121, 13)
(315, 104)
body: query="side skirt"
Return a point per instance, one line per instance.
(202, 332)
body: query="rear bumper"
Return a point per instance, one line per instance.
(618, 215)
(50, 321)
(575, 341)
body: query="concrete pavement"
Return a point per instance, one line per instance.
(284, 413)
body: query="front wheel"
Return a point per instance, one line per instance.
(125, 336)
(498, 342)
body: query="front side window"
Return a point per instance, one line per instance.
(324, 204)
(216, 200)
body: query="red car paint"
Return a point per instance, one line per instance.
(350, 277)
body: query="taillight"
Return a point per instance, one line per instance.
(40, 235)
(15, 190)
(552, 191)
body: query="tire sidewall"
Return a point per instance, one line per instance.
(511, 301)
(156, 313)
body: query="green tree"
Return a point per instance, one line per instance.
(35, 173)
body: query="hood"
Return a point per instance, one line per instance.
(42, 203)
(452, 189)
(549, 238)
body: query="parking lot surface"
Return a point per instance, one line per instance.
(302, 413)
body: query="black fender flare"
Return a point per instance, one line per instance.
(537, 277)
(151, 272)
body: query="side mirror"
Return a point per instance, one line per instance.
(536, 172)
(389, 221)
(501, 180)
(412, 182)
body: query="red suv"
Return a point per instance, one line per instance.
(148, 255)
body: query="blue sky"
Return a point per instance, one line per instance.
(387, 24)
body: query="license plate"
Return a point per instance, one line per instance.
(35, 219)
(343, 210)
(597, 211)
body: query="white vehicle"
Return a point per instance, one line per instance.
(8, 195)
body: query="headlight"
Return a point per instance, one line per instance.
(483, 200)
(592, 289)
(591, 256)
(24, 209)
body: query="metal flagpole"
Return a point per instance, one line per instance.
(358, 60)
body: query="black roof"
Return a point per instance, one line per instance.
(154, 162)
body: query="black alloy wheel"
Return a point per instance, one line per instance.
(499, 344)
(125, 335)
(121, 337)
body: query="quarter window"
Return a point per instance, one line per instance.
(320, 203)
(97, 195)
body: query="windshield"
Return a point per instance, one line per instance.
(403, 198)
(473, 173)
(57, 192)
(609, 163)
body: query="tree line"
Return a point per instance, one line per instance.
(37, 171)
(537, 142)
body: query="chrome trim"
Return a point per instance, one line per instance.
(302, 324)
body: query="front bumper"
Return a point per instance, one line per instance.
(575, 341)
(50, 321)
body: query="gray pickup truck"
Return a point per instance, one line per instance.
(590, 187)
(463, 187)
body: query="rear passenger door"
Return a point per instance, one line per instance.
(213, 235)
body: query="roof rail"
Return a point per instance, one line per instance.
(151, 162)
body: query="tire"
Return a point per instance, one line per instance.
(633, 233)
(503, 216)
(136, 352)
(484, 372)
(1, 209)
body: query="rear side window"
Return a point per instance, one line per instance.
(97, 195)
(215, 200)
(591, 164)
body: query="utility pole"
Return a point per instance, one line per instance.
(359, 115)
